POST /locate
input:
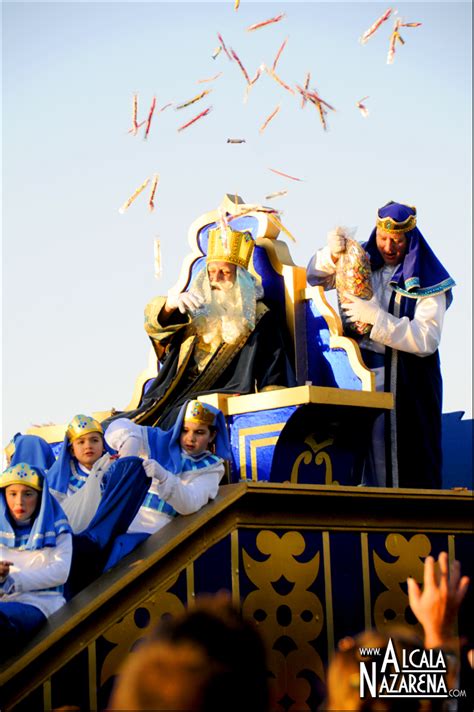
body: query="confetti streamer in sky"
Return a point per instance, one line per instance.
(394, 37)
(278, 223)
(280, 81)
(272, 20)
(166, 106)
(269, 118)
(244, 71)
(278, 54)
(285, 175)
(322, 114)
(134, 128)
(193, 100)
(217, 52)
(252, 209)
(319, 103)
(373, 28)
(150, 116)
(305, 87)
(157, 258)
(236, 140)
(278, 194)
(363, 109)
(210, 79)
(258, 73)
(151, 203)
(236, 4)
(196, 118)
(219, 37)
(133, 197)
(223, 225)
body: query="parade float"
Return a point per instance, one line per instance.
(306, 553)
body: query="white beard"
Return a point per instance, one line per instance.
(224, 321)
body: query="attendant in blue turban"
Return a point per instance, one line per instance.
(412, 291)
(186, 464)
(35, 555)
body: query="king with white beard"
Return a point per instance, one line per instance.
(218, 336)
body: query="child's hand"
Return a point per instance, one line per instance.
(155, 470)
(5, 569)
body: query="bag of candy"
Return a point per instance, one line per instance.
(353, 275)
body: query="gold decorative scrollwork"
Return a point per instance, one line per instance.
(391, 605)
(291, 620)
(125, 633)
(320, 458)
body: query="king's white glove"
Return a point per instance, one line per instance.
(185, 301)
(156, 471)
(336, 241)
(357, 309)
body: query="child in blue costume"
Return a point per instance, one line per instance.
(35, 555)
(99, 493)
(185, 473)
(31, 449)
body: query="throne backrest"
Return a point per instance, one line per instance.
(271, 262)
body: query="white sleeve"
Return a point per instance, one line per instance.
(127, 438)
(44, 568)
(321, 269)
(188, 492)
(420, 336)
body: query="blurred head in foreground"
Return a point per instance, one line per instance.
(208, 659)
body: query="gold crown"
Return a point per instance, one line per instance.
(238, 250)
(81, 425)
(22, 474)
(391, 225)
(198, 412)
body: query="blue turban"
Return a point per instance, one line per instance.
(420, 274)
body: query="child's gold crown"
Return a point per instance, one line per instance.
(22, 474)
(238, 250)
(199, 412)
(81, 425)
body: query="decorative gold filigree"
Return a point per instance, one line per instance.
(391, 605)
(295, 617)
(320, 458)
(125, 633)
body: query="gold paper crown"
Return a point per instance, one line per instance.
(238, 250)
(81, 425)
(391, 225)
(22, 474)
(198, 412)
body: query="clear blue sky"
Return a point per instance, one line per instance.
(77, 274)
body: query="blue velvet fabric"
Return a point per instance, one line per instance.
(33, 450)
(18, 623)
(123, 545)
(420, 274)
(126, 486)
(48, 524)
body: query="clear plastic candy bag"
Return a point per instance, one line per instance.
(353, 275)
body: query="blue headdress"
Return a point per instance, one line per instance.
(420, 274)
(49, 522)
(165, 443)
(33, 450)
(60, 473)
